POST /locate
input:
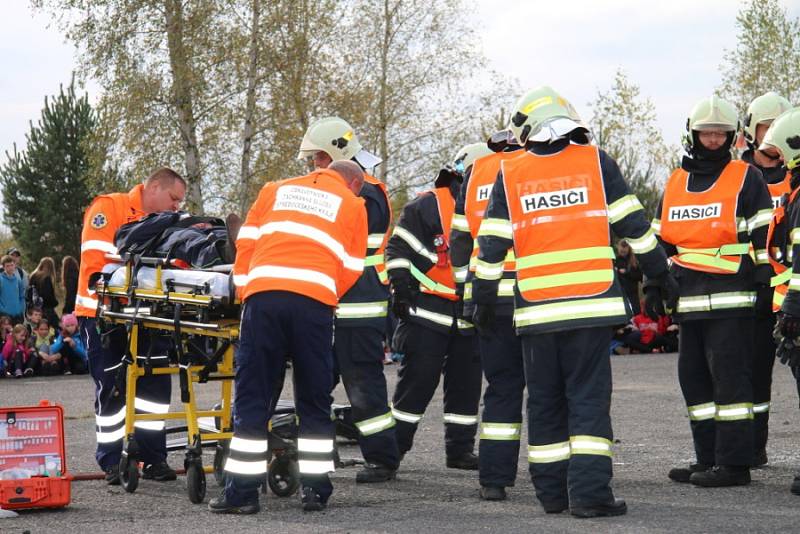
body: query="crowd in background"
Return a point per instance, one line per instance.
(36, 340)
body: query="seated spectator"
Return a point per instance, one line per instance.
(20, 359)
(5, 326)
(33, 316)
(69, 281)
(42, 282)
(70, 348)
(49, 364)
(647, 335)
(12, 291)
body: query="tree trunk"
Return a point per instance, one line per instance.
(249, 111)
(383, 145)
(182, 102)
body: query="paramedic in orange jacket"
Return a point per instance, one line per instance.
(300, 249)
(162, 191)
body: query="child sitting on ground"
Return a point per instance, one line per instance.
(20, 359)
(69, 346)
(5, 326)
(49, 364)
(32, 317)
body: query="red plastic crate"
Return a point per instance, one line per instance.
(33, 469)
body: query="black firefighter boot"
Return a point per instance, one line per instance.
(721, 476)
(682, 474)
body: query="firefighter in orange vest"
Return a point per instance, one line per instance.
(760, 114)
(500, 348)
(300, 249)
(554, 204)
(781, 143)
(361, 315)
(712, 211)
(162, 191)
(435, 339)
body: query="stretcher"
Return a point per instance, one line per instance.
(199, 311)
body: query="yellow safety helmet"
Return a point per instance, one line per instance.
(543, 115)
(335, 137)
(784, 135)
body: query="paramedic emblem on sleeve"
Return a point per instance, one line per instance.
(99, 221)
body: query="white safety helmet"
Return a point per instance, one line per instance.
(335, 137)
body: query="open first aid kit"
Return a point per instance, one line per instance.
(33, 470)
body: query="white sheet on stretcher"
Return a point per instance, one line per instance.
(146, 279)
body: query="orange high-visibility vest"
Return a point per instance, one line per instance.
(783, 273)
(375, 258)
(703, 225)
(559, 217)
(778, 189)
(476, 200)
(307, 235)
(105, 215)
(441, 273)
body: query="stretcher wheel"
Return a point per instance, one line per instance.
(283, 476)
(196, 482)
(128, 474)
(219, 464)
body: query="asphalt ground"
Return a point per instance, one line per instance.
(652, 435)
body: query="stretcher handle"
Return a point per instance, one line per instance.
(160, 320)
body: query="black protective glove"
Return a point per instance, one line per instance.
(662, 290)
(763, 305)
(789, 326)
(787, 349)
(483, 318)
(402, 300)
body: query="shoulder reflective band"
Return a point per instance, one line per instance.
(622, 207)
(358, 310)
(701, 412)
(406, 417)
(590, 445)
(565, 256)
(571, 310)
(375, 424)
(717, 301)
(500, 431)
(734, 412)
(553, 452)
(460, 419)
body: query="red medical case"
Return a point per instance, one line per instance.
(33, 469)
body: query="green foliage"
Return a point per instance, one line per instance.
(766, 56)
(624, 125)
(44, 191)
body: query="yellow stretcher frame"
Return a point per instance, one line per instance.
(136, 306)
